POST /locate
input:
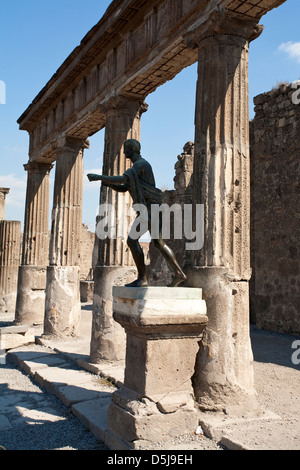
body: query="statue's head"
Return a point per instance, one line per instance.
(132, 147)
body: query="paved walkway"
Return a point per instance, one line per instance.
(62, 370)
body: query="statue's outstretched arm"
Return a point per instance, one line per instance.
(120, 188)
(115, 182)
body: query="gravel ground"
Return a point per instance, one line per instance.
(32, 419)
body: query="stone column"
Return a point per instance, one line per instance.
(3, 193)
(224, 372)
(115, 265)
(35, 251)
(62, 306)
(10, 239)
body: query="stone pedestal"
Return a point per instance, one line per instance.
(30, 303)
(163, 327)
(62, 307)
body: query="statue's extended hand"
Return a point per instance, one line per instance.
(93, 177)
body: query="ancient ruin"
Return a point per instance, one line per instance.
(136, 47)
(275, 198)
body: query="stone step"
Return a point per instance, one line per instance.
(87, 395)
(14, 336)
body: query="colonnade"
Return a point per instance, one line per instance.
(221, 183)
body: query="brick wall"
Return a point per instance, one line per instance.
(275, 211)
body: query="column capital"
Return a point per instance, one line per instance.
(4, 191)
(222, 23)
(125, 104)
(69, 143)
(38, 167)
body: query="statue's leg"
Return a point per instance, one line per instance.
(138, 256)
(170, 257)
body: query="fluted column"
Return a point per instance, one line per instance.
(10, 239)
(35, 247)
(221, 182)
(115, 265)
(62, 306)
(123, 121)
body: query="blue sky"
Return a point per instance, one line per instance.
(36, 37)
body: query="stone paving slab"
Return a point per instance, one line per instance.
(89, 401)
(51, 360)
(52, 378)
(13, 339)
(71, 394)
(113, 372)
(94, 414)
(28, 353)
(269, 434)
(86, 394)
(13, 329)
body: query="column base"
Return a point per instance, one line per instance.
(108, 341)
(8, 288)
(224, 376)
(62, 305)
(8, 302)
(134, 420)
(30, 305)
(163, 327)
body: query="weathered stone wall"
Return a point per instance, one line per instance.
(275, 211)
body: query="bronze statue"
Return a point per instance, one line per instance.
(139, 181)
